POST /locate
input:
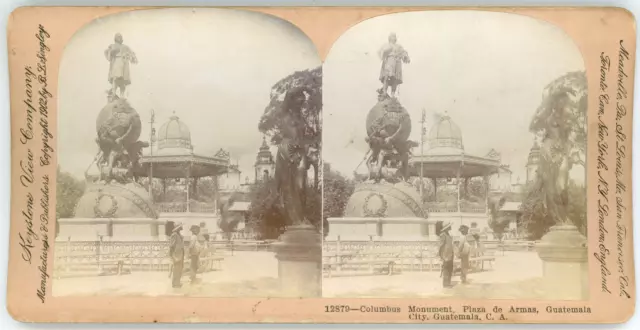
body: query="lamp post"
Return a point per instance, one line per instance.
(423, 120)
(151, 140)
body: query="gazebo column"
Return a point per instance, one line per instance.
(150, 182)
(194, 193)
(458, 188)
(164, 189)
(485, 184)
(435, 189)
(465, 190)
(187, 179)
(216, 194)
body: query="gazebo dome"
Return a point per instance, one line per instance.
(174, 134)
(445, 134)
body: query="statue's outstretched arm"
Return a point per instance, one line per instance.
(405, 55)
(126, 134)
(393, 136)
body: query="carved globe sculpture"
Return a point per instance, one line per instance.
(385, 200)
(115, 119)
(389, 114)
(114, 199)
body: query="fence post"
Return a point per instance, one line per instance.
(422, 257)
(371, 248)
(402, 257)
(68, 257)
(98, 247)
(338, 256)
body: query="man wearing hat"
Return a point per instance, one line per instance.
(446, 254)
(464, 252)
(176, 253)
(195, 248)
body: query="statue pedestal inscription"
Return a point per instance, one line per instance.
(299, 257)
(564, 254)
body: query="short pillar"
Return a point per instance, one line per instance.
(563, 251)
(154, 230)
(299, 254)
(432, 230)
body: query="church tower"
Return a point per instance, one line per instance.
(264, 166)
(533, 161)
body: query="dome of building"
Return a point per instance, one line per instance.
(174, 134)
(445, 134)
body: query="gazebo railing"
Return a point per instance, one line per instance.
(445, 207)
(181, 207)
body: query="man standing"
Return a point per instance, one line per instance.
(446, 254)
(203, 236)
(464, 252)
(176, 253)
(194, 252)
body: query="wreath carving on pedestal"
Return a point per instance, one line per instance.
(380, 211)
(111, 212)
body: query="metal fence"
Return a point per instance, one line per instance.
(98, 257)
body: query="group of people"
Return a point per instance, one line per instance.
(448, 251)
(197, 245)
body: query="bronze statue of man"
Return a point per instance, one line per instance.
(292, 160)
(392, 56)
(119, 56)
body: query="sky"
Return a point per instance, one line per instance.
(213, 67)
(487, 70)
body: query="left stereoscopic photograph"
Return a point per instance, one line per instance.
(188, 157)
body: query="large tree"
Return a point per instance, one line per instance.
(560, 123)
(266, 212)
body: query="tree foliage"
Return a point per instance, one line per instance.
(68, 192)
(561, 118)
(337, 190)
(569, 93)
(228, 222)
(271, 121)
(537, 220)
(498, 221)
(266, 216)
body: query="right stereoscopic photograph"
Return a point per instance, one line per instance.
(454, 159)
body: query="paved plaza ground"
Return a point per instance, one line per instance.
(515, 275)
(244, 274)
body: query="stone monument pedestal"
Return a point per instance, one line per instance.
(299, 255)
(563, 251)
